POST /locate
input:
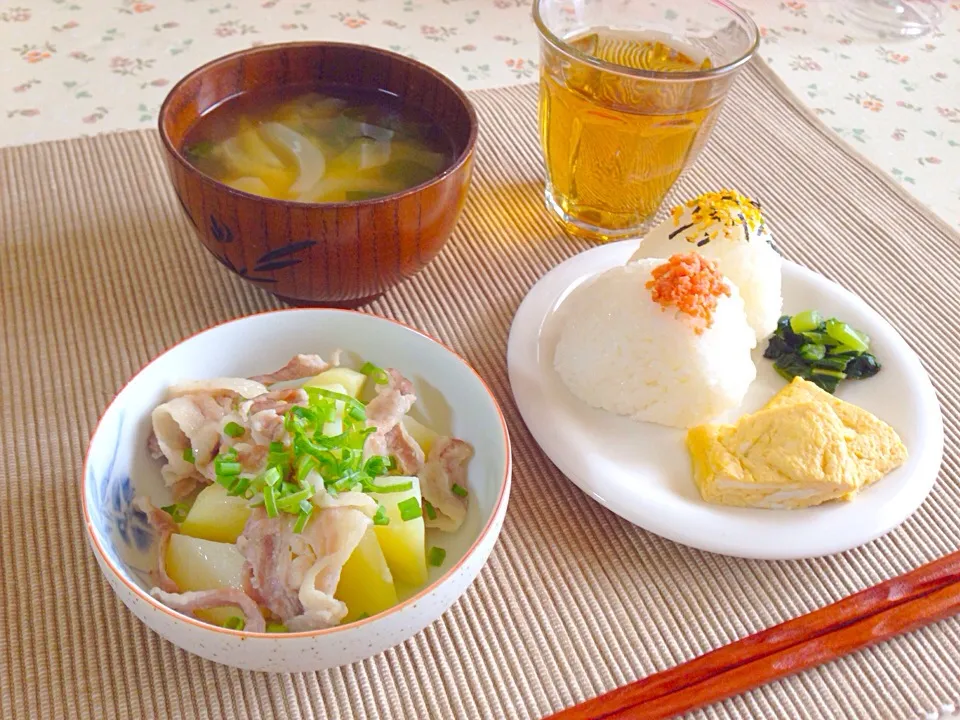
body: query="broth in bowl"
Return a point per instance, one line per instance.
(318, 144)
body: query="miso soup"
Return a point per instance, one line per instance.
(318, 144)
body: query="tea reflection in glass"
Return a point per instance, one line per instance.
(624, 109)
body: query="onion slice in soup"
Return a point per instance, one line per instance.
(376, 132)
(372, 153)
(310, 160)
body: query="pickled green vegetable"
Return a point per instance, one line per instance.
(805, 321)
(824, 352)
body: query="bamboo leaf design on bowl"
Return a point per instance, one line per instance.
(220, 231)
(271, 261)
(281, 257)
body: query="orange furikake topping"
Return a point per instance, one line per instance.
(692, 284)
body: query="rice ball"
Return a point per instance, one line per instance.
(663, 341)
(727, 227)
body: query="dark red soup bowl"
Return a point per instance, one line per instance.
(321, 253)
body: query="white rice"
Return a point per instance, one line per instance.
(752, 264)
(621, 351)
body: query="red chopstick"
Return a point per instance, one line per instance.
(907, 602)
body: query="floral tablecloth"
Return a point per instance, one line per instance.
(74, 67)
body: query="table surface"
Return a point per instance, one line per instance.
(78, 67)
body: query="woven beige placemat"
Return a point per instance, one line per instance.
(99, 272)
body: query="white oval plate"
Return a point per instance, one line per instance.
(641, 471)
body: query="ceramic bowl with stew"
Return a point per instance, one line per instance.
(330, 253)
(118, 468)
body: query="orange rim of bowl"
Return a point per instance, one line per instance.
(674, 75)
(462, 159)
(423, 592)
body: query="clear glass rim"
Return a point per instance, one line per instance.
(681, 75)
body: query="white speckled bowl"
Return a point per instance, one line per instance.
(452, 398)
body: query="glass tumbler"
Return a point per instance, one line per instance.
(629, 92)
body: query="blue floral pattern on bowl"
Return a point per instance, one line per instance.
(124, 528)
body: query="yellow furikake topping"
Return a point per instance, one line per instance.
(725, 208)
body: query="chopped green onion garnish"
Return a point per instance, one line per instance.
(188, 455)
(349, 455)
(291, 423)
(409, 509)
(459, 490)
(177, 511)
(330, 414)
(234, 623)
(305, 465)
(380, 518)
(431, 511)
(281, 461)
(276, 627)
(378, 375)
(240, 487)
(348, 481)
(270, 501)
(333, 395)
(357, 413)
(230, 455)
(233, 429)
(276, 447)
(304, 445)
(330, 441)
(227, 469)
(395, 488)
(303, 517)
(303, 415)
(436, 556)
(377, 465)
(271, 477)
(290, 503)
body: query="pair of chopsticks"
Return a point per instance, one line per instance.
(898, 605)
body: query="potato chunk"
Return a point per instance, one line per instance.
(421, 433)
(216, 515)
(402, 541)
(351, 380)
(195, 564)
(366, 585)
